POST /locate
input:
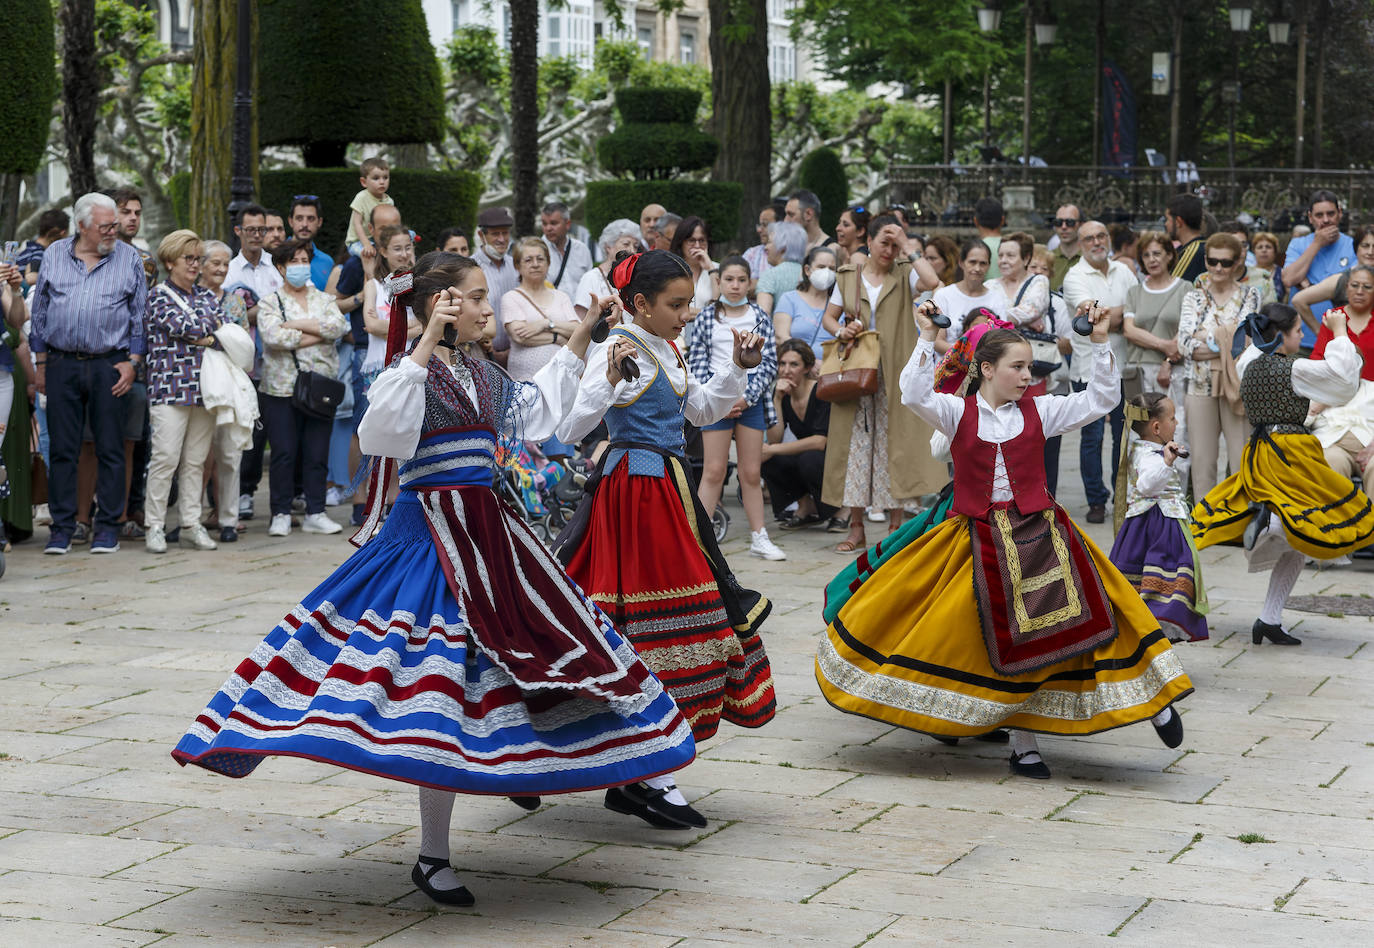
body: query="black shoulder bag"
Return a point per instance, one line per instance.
(315, 394)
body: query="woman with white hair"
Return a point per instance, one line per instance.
(223, 465)
(618, 235)
(786, 248)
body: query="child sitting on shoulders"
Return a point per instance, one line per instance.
(376, 178)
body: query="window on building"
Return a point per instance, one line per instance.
(645, 38)
(555, 38)
(687, 46)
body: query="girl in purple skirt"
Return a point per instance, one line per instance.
(1154, 547)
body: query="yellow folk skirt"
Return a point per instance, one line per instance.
(1324, 514)
(908, 649)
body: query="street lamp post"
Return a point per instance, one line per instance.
(1044, 30)
(1240, 24)
(989, 19)
(241, 182)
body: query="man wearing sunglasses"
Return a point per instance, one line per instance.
(1064, 243)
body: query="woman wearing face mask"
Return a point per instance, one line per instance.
(299, 325)
(450, 651)
(799, 312)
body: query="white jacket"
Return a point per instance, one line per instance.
(225, 388)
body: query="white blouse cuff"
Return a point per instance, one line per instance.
(412, 371)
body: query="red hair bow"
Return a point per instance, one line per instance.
(624, 271)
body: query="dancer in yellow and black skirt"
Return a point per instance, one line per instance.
(1005, 614)
(1285, 501)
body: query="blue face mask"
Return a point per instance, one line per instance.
(298, 274)
(737, 301)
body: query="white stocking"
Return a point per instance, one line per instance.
(1023, 742)
(666, 782)
(1282, 579)
(1162, 718)
(436, 810)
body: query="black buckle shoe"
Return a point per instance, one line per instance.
(1036, 771)
(526, 803)
(425, 868)
(999, 736)
(1171, 731)
(1259, 522)
(648, 803)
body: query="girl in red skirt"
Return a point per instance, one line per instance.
(641, 546)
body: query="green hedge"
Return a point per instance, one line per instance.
(822, 172)
(652, 106)
(655, 151)
(717, 202)
(28, 84)
(347, 71)
(429, 201)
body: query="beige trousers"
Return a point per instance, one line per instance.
(1210, 418)
(181, 438)
(227, 460)
(1341, 458)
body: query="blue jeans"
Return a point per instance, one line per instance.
(1090, 451)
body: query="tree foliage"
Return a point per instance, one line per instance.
(27, 87)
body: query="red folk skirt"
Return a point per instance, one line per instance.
(646, 555)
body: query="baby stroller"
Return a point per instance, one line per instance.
(720, 520)
(543, 492)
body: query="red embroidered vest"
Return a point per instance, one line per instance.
(975, 459)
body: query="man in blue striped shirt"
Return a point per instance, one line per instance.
(87, 333)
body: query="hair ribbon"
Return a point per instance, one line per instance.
(1254, 325)
(624, 271)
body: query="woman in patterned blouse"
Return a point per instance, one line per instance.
(180, 322)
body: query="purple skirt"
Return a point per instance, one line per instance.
(1156, 553)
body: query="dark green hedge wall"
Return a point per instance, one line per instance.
(718, 203)
(346, 71)
(28, 83)
(429, 201)
(822, 172)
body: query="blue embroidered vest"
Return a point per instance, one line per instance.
(655, 417)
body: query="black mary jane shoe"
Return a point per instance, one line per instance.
(1274, 633)
(526, 803)
(947, 741)
(1171, 731)
(1259, 522)
(648, 803)
(1036, 771)
(424, 870)
(999, 736)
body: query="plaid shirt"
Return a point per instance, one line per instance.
(761, 376)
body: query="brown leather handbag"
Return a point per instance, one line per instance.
(849, 370)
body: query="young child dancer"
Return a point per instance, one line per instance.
(1005, 614)
(641, 544)
(710, 351)
(1154, 545)
(1285, 501)
(451, 651)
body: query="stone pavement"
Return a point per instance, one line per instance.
(825, 829)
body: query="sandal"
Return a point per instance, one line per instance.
(850, 545)
(798, 523)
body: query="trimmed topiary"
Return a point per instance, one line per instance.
(346, 71)
(28, 84)
(716, 202)
(656, 151)
(822, 173)
(655, 106)
(429, 201)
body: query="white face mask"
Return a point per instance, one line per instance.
(822, 278)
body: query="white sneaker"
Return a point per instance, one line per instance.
(333, 497)
(41, 516)
(319, 523)
(197, 538)
(760, 545)
(877, 514)
(155, 540)
(280, 526)
(245, 506)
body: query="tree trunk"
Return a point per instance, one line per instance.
(740, 97)
(1319, 94)
(9, 200)
(213, 82)
(524, 112)
(80, 92)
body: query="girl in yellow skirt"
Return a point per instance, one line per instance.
(1005, 614)
(1285, 501)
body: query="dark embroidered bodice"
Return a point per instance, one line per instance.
(1267, 391)
(447, 405)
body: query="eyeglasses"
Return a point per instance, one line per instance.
(1225, 264)
(191, 260)
(107, 228)
(306, 197)
(254, 231)
(1094, 238)
(1065, 222)
(860, 209)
